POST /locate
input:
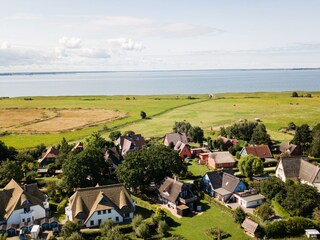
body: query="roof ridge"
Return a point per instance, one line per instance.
(100, 187)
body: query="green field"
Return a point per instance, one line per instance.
(275, 110)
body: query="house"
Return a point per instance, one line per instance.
(48, 157)
(298, 168)
(177, 195)
(230, 185)
(251, 228)
(130, 143)
(22, 204)
(78, 147)
(249, 199)
(213, 180)
(260, 151)
(222, 184)
(221, 160)
(226, 142)
(174, 138)
(195, 152)
(92, 205)
(113, 156)
(312, 233)
(183, 150)
(290, 149)
(203, 158)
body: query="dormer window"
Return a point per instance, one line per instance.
(26, 209)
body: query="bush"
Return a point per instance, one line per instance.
(294, 94)
(136, 221)
(239, 215)
(62, 205)
(143, 230)
(162, 228)
(69, 228)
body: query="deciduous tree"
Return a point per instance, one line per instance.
(250, 165)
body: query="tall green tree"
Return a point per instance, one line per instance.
(114, 135)
(197, 135)
(250, 165)
(260, 135)
(151, 164)
(303, 137)
(95, 139)
(64, 147)
(264, 211)
(143, 115)
(182, 127)
(239, 215)
(10, 170)
(315, 145)
(242, 130)
(75, 171)
(7, 152)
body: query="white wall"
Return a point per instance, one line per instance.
(37, 212)
(280, 173)
(95, 217)
(253, 203)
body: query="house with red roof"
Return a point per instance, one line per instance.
(260, 151)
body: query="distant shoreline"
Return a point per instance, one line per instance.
(182, 70)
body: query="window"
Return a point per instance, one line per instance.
(104, 211)
(99, 222)
(99, 212)
(109, 210)
(28, 219)
(117, 219)
(127, 215)
(23, 220)
(91, 222)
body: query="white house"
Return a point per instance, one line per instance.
(22, 204)
(249, 199)
(298, 168)
(94, 205)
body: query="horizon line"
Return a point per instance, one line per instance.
(160, 70)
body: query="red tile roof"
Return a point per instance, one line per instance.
(261, 151)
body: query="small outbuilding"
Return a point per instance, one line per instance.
(312, 233)
(251, 228)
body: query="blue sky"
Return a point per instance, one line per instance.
(41, 35)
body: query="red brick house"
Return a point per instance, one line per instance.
(221, 160)
(183, 150)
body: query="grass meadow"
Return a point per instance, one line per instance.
(275, 110)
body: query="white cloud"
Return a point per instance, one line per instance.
(148, 27)
(94, 53)
(121, 21)
(5, 45)
(125, 44)
(70, 42)
(11, 56)
(22, 17)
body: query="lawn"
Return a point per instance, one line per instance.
(197, 169)
(275, 110)
(195, 226)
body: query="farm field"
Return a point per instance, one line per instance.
(275, 110)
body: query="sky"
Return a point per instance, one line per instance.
(82, 35)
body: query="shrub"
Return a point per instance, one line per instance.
(162, 228)
(143, 230)
(136, 221)
(62, 205)
(294, 94)
(239, 215)
(69, 228)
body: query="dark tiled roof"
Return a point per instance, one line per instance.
(299, 168)
(130, 142)
(229, 182)
(175, 137)
(215, 177)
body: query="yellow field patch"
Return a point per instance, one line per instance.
(54, 120)
(16, 117)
